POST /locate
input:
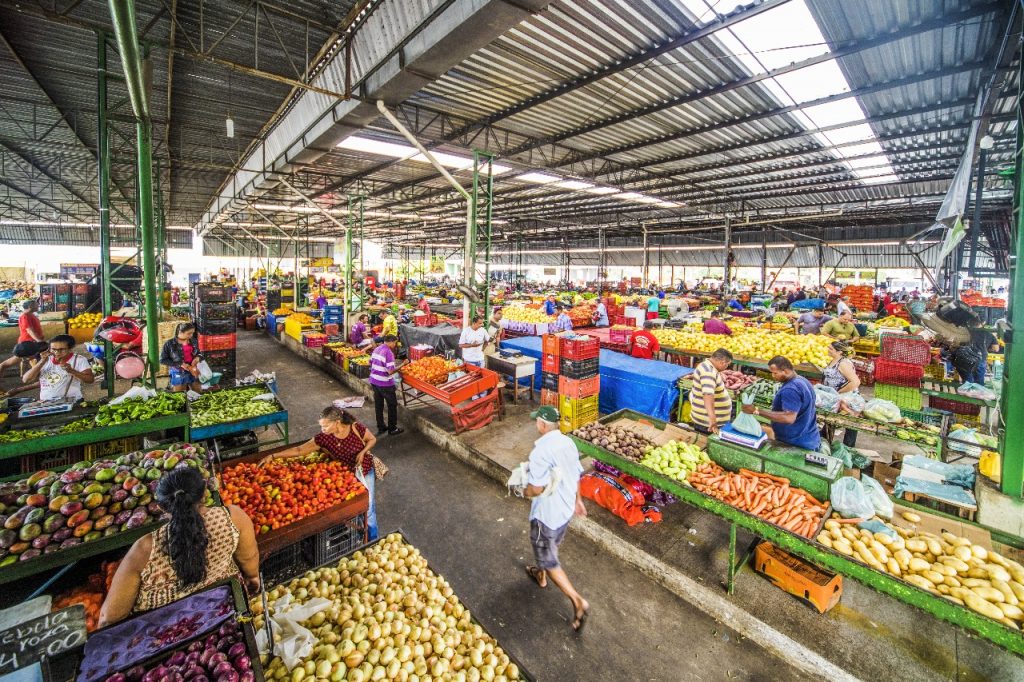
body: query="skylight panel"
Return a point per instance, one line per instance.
(771, 35)
(538, 178)
(842, 111)
(814, 82)
(368, 145)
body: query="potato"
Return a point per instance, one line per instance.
(979, 551)
(1018, 589)
(977, 573)
(990, 594)
(1011, 611)
(953, 599)
(843, 547)
(976, 582)
(832, 523)
(825, 539)
(911, 516)
(942, 569)
(917, 565)
(976, 603)
(915, 545)
(942, 588)
(892, 566)
(997, 572)
(951, 581)
(999, 559)
(918, 581)
(898, 543)
(836, 534)
(884, 539)
(956, 564)
(933, 577)
(903, 558)
(934, 547)
(1008, 594)
(850, 534)
(963, 553)
(1009, 623)
(879, 550)
(955, 540)
(904, 533)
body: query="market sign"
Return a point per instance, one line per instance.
(321, 262)
(43, 637)
(69, 270)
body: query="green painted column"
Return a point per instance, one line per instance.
(144, 133)
(103, 164)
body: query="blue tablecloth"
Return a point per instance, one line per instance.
(647, 386)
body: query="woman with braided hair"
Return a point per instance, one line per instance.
(198, 547)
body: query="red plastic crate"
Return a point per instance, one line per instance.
(910, 349)
(619, 335)
(550, 363)
(954, 406)
(550, 344)
(580, 349)
(217, 341)
(331, 329)
(425, 320)
(865, 371)
(548, 397)
(415, 353)
(898, 373)
(579, 388)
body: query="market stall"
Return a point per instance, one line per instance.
(235, 410)
(470, 392)
(443, 338)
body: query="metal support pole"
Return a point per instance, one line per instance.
(647, 255)
(144, 133)
(488, 195)
(728, 252)
(103, 163)
(295, 273)
(348, 270)
(976, 220)
(764, 261)
(161, 240)
(821, 257)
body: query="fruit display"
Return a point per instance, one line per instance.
(302, 318)
(220, 656)
(85, 321)
(89, 594)
(139, 409)
(282, 491)
(520, 313)
(945, 564)
(618, 439)
(430, 369)
(735, 380)
(675, 459)
(390, 617)
(281, 312)
(753, 343)
(362, 359)
(79, 425)
(764, 495)
(893, 322)
(219, 407)
(47, 511)
(581, 315)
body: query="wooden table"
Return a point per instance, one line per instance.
(522, 367)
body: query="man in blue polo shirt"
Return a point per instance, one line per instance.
(793, 416)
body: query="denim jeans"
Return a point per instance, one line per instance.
(476, 364)
(371, 512)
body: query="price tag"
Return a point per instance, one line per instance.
(43, 637)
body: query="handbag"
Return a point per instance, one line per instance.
(380, 469)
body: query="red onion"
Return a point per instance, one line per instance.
(247, 676)
(241, 662)
(176, 659)
(224, 668)
(236, 650)
(215, 658)
(230, 676)
(117, 677)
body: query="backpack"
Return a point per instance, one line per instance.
(618, 497)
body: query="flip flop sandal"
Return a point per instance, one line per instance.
(535, 574)
(580, 621)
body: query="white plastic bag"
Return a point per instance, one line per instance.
(204, 371)
(826, 398)
(964, 441)
(851, 500)
(852, 402)
(880, 410)
(520, 477)
(134, 392)
(264, 396)
(879, 500)
(292, 642)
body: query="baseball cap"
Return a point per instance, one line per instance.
(547, 413)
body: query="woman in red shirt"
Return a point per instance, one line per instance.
(343, 439)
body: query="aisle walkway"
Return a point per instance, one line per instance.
(476, 536)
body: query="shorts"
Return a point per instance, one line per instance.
(545, 543)
(30, 349)
(181, 378)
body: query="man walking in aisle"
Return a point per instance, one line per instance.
(553, 485)
(382, 371)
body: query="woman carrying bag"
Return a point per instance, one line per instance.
(344, 439)
(181, 355)
(841, 375)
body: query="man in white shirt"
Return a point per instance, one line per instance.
(60, 372)
(552, 510)
(472, 342)
(843, 306)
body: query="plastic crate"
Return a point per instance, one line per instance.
(550, 344)
(425, 320)
(111, 448)
(216, 327)
(330, 545)
(573, 408)
(954, 406)
(220, 359)
(211, 293)
(911, 349)
(579, 369)
(568, 424)
(216, 311)
(217, 341)
(549, 381)
(927, 415)
(418, 352)
(283, 565)
(361, 371)
(898, 373)
(49, 461)
(549, 397)
(580, 349)
(550, 363)
(622, 321)
(865, 371)
(619, 335)
(579, 388)
(935, 370)
(905, 397)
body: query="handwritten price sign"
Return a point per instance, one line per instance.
(44, 637)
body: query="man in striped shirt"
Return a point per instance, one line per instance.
(710, 405)
(382, 370)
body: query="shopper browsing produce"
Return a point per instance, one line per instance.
(710, 405)
(389, 325)
(61, 371)
(343, 439)
(29, 326)
(423, 306)
(360, 332)
(199, 546)
(793, 414)
(181, 355)
(601, 315)
(653, 306)
(811, 322)
(841, 375)
(549, 305)
(714, 325)
(495, 332)
(842, 327)
(382, 379)
(563, 323)
(643, 344)
(554, 463)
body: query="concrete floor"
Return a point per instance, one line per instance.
(476, 536)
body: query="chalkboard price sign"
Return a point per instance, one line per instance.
(44, 637)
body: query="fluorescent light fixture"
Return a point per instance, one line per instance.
(648, 200)
(601, 190)
(670, 204)
(775, 245)
(356, 143)
(539, 178)
(629, 196)
(459, 162)
(574, 184)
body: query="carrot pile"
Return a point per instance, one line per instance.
(764, 495)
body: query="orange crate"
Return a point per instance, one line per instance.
(550, 363)
(548, 397)
(217, 342)
(550, 344)
(580, 349)
(790, 574)
(579, 388)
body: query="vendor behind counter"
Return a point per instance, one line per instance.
(793, 414)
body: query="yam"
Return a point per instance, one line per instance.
(990, 594)
(976, 603)
(911, 516)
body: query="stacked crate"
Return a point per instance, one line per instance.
(578, 381)
(332, 315)
(861, 297)
(216, 318)
(550, 369)
(900, 368)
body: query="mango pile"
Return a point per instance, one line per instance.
(752, 343)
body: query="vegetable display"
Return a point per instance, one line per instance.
(945, 564)
(16, 436)
(219, 407)
(78, 425)
(735, 380)
(220, 656)
(520, 313)
(282, 491)
(764, 495)
(139, 409)
(48, 512)
(675, 459)
(389, 617)
(752, 343)
(618, 439)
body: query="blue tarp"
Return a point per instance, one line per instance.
(647, 386)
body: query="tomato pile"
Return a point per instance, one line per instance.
(283, 491)
(431, 369)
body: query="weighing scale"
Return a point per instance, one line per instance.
(42, 408)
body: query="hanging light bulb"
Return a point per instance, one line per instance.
(229, 123)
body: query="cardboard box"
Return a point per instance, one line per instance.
(936, 523)
(886, 475)
(662, 436)
(821, 589)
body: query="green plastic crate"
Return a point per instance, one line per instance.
(905, 397)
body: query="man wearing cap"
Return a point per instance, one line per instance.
(553, 485)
